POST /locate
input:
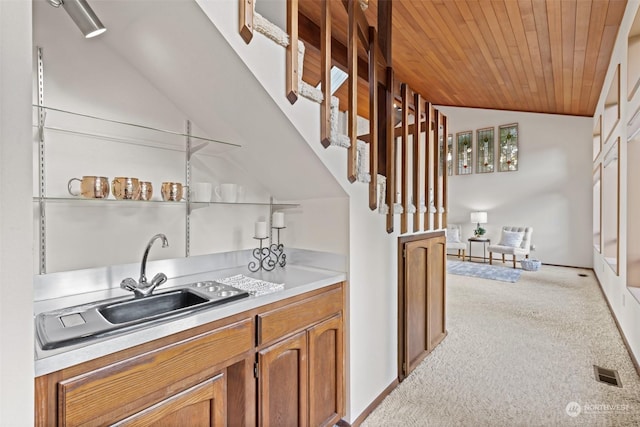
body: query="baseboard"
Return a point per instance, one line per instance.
(615, 319)
(377, 401)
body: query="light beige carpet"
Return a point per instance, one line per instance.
(520, 354)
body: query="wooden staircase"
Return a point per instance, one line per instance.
(404, 128)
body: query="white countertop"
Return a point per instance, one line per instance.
(297, 279)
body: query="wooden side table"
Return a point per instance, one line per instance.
(484, 242)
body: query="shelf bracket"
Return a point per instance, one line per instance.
(188, 187)
(197, 148)
(41, 166)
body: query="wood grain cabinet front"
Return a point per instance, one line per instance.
(301, 377)
(202, 405)
(104, 394)
(207, 375)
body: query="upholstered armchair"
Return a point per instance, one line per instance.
(515, 241)
(454, 239)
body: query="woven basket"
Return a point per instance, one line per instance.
(530, 264)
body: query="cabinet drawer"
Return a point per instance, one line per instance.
(277, 323)
(123, 388)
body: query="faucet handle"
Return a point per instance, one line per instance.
(129, 284)
(158, 280)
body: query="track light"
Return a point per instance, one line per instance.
(82, 14)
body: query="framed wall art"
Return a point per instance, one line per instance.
(485, 147)
(508, 156)
(465, 152)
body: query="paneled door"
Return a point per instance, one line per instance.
(421, 298)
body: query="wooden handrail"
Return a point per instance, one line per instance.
(325, 73)
(246, 20)
(431, 180)
(418, 173)
(292, 52)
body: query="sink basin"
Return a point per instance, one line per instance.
(151, 306)
(77, 324)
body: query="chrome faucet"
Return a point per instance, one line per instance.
(142, 288)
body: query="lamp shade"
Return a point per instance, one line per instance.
(479, 217)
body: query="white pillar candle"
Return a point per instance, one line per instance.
(278, 219)
(261, 230)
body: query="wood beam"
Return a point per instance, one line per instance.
(292, 52)
(398, 130)
(362, 22)
(325, 73)
(428, 112)
(445, 171)
(390, 150)
(310, 33)
(246, 20)
(406, 175)
(373, 118)
(436, 168)
(353, 92)
(384, 28)
(418, 174)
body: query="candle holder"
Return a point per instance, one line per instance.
(268, 257)
(277, 250)
(263, 257)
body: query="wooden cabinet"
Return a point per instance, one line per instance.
(207, 375)
(201, 405)
(283, 377)
(301, 378)
(421, 298)
(326, 372)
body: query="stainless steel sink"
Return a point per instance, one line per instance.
(151, 306)
(77, 324)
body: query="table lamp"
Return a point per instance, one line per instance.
(479, 218)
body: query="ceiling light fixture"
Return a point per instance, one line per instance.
(82, 14)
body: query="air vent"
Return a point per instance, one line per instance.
(607, 376)
(583, 275)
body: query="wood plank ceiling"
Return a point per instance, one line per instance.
(546, 56)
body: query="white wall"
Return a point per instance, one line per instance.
(16, 287)
(625, 305)
(108, 78)
(551, 190)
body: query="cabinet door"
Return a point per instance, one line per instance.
(436, 293)
(421, 319)
(199, 406)
(326, 372)
(283, 384)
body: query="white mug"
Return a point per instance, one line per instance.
(227, 192)
(201, 192)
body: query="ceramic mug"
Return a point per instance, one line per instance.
(201, 192)
(91, 187)
(125, 188)
(171, 191)
(227, 193)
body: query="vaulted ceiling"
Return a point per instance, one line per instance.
(547, 56)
